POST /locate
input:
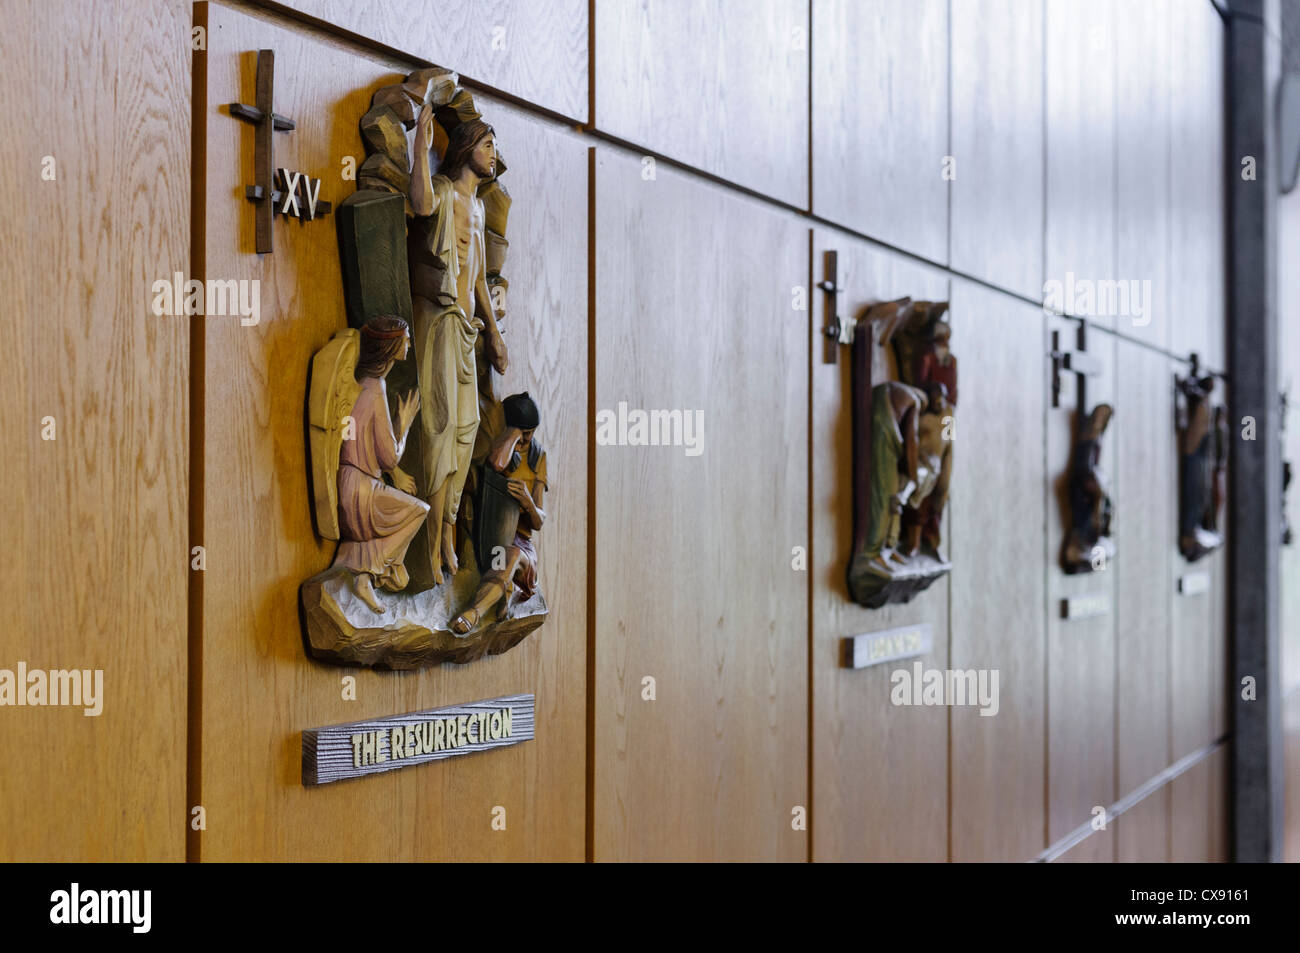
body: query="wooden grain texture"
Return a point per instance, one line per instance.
(1142, 832)
(1197, 262)
(720, 86)
(1145, 527)
(998, 589)
(1097, 847)
(880, 120)
(535, 50)
(1291, 758)
(695, 583)
(95, 541)
(1081, 654)
(997, 139)
(1218, 825)
(1080, 96)
(1144, 94)
(1193, 695)
(259, 687)
(880, 771)
(1189, 815)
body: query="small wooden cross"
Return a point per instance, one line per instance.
(837, 330)
(263, 194)
(1078, 362)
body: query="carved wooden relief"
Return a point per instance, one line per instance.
(432, 484)
(904, 396)
(1202, 464)
(1088, 546)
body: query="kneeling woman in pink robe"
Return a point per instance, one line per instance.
(377, 522)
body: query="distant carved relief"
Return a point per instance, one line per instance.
(1202, 464)
(1088, 545)
(904, 399)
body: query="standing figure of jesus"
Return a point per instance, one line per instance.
(450, 306)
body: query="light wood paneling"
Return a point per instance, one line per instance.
(1081, 652)
(1080, 55)
(880, 772)
(720, 86)
(1196, 305)
(536, 50)
(259, 688)
(997, 583)
(1189, 816)
(1097, 848)
(95, 551)
(1219, 824)
(695, 585)
(1143, 105)
(1146, 500)
(997, 139)
(1142, 832)
(880, 121)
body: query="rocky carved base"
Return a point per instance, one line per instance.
(415, 631)
(870, 585)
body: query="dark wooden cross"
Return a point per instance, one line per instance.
(1078, 362)
(263, 194)
(834, 329)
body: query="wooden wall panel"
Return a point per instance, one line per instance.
(1144, 94)
(1189, 815)
(1219, 823)
(695, 585)
(536, 50)
(880, 771)
(1192, 678)
(1081, 653)
(997, 137)
(1142, 832)
(1197, 191)
(997, 583)
(720, 86)
(259, 688)
(1080, 54)
(880, 121)
(1097, 847)
(95, 540)
(1145, 499)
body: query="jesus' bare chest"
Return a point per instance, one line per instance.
(468, 216)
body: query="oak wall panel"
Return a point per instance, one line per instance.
(720, 86)
(1081, 653)
(997, 583)
(997, 139)
(1196, 182)
(880, 771)
(95, 553)
(880, 121)
(1190, 815)
(695, 584)
(1145, 499)
(259, 688)
(1144, 95)
(1142, 832)
(536, 50)
(1080, 56)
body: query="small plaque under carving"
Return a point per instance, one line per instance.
(358, 748)
(1085, 607)
(872, 648)
(1194, 583)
